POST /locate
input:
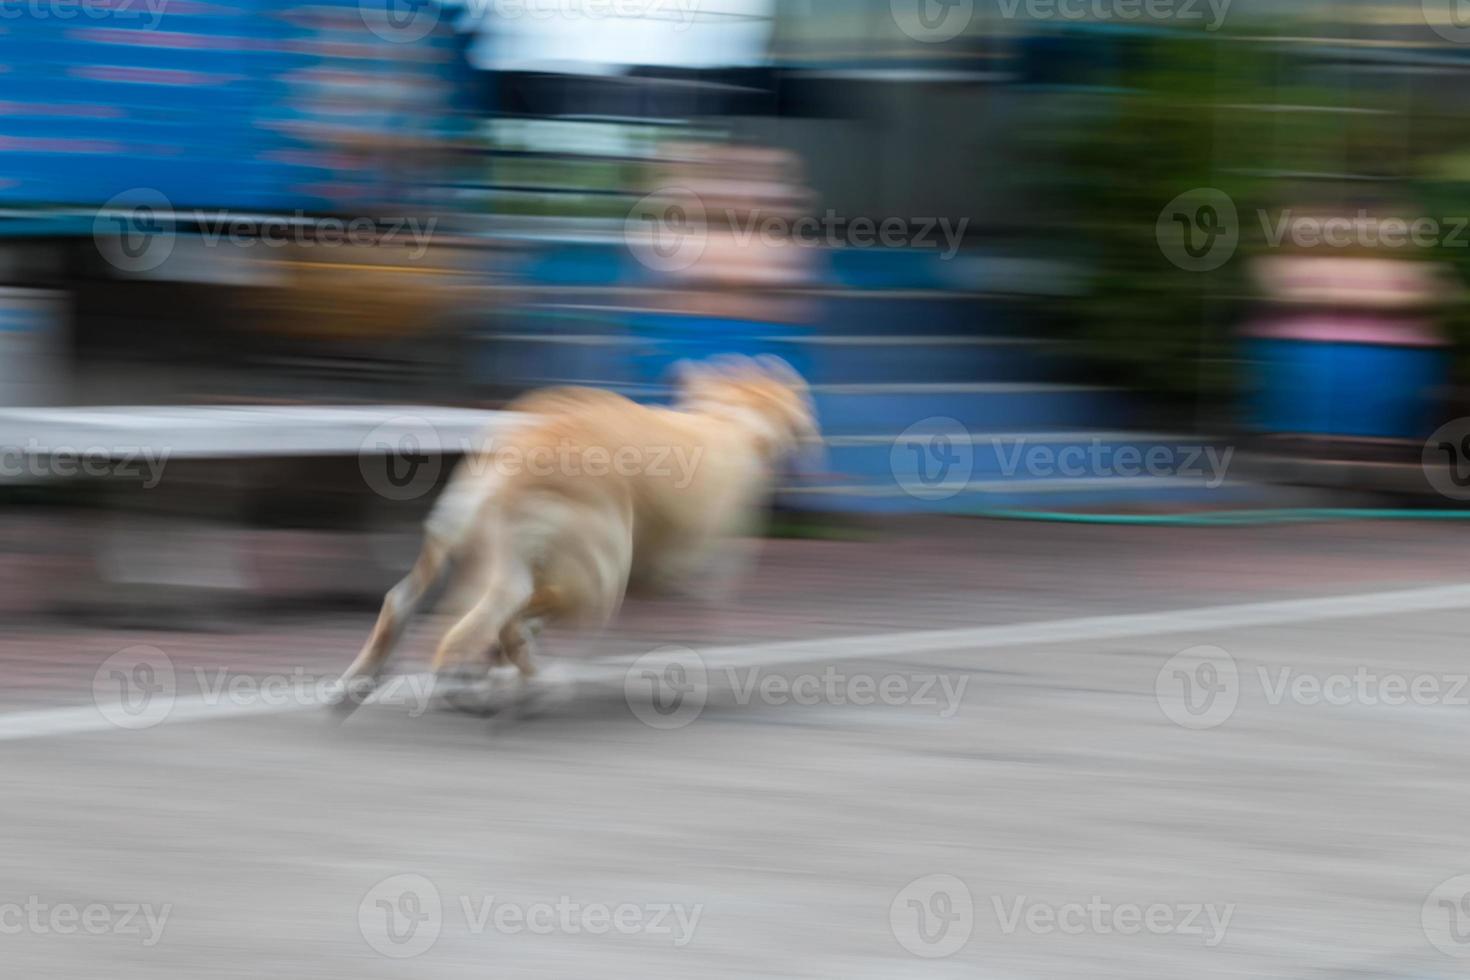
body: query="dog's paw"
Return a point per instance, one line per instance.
(553, 687)
(351, 692)
(471, 693)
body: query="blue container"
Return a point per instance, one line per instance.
(1346, 389)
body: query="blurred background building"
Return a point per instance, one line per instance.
(1015, 210)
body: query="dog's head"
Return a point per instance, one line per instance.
(765, 394)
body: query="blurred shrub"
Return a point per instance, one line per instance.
(1118, 154)
(1276, 126)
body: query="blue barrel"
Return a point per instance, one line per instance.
(1346, 389)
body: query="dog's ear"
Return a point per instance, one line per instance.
(733, 365)
(687, 374)
(781, 370)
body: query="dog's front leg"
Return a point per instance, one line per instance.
(727, 569)
(399, 606)
(710, 569)
(464, 646)
(537, 689)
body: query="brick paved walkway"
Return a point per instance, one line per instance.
(924, 575)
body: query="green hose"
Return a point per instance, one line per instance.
(1236, 518)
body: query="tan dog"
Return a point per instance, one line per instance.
(556, 520)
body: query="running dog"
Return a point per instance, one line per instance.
(595, 493)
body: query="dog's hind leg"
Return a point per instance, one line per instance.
(399, 606)
(516, 646)
(506, 594)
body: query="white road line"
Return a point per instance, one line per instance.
(50, 722)
(1089, 628)
(81, 720)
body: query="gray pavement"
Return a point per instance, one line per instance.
(1279, 801)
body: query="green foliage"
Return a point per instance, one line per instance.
(1119, 156)
(1265, 124)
